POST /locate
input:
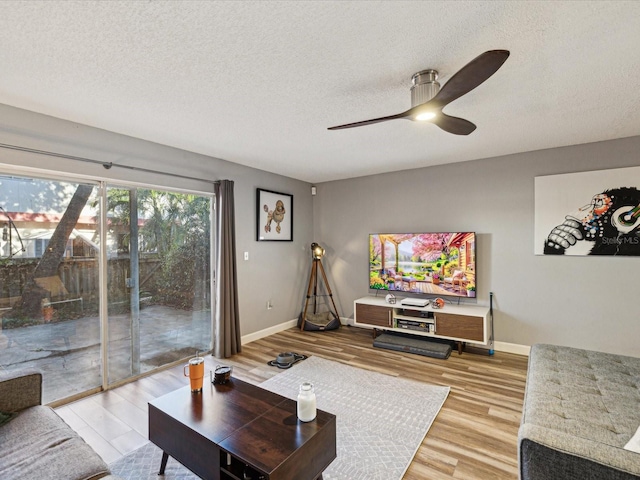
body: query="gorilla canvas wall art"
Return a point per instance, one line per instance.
(588, 213)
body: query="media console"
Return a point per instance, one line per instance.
(460, 323)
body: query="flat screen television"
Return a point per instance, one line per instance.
(440, 264)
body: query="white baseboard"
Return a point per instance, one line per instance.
(512, 348)
(252, 337)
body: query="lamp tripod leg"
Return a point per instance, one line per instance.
(326, 282)
(313, 281)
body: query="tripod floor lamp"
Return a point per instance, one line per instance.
(318, 321)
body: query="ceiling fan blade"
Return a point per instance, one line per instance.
(373, 120)
(455, 125)
(470, 76)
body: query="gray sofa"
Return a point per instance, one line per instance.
(580, 409)
(36, 443)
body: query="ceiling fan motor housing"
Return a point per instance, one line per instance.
(424, 86)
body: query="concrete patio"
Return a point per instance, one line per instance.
(68, 352)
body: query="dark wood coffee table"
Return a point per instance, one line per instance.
(238, 430)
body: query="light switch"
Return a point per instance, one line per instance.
(246, 255)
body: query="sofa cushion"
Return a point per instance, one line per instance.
(20, 390)
(38, 444)
(584, 393)
(580, 409)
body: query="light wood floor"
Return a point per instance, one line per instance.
(473, 437)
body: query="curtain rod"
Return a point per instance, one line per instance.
(106, 165)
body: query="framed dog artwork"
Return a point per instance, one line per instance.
(274, 214)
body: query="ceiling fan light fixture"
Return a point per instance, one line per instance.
(425, 116)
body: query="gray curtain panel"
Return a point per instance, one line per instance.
(227, 319)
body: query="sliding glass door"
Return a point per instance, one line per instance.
(49, 276)
(87, 290)
(159, 300)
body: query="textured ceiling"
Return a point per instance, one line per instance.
(258, 83)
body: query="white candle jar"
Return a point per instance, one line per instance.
(306, 403)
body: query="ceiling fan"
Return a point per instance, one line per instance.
(428, 99)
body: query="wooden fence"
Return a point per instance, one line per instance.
(80, 278)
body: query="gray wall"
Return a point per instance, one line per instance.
(579, 301)
(587, 302)
(275, 270)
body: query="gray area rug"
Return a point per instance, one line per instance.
(144, 464)
(381, 421)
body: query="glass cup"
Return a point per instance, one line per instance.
(195, 371)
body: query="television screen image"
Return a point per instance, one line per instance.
(423, 263)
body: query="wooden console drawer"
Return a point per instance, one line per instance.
(459, 326)
(373, 315)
